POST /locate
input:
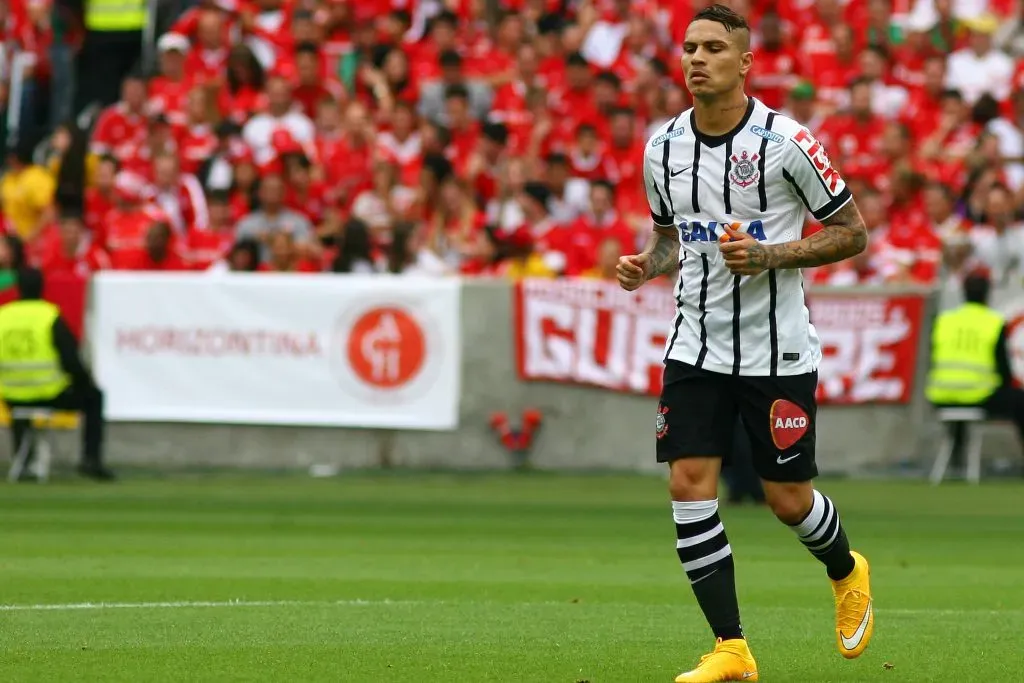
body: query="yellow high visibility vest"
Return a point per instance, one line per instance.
(115, 15)
(963, 369)
(30, 368)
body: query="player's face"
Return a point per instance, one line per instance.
(715, 60)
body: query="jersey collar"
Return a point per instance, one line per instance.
(716, 140)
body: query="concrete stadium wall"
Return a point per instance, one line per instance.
(584, 428)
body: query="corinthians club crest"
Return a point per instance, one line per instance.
(744, 169)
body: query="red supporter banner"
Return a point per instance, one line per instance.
(594, 333)
(869, 346)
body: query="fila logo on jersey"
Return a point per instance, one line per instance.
(667, 136)
(766, 134)
(696, 231)
(789, 423)
(816, 153)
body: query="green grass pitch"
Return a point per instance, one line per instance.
(511, 578)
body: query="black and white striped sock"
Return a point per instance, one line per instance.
(821, 532)
(706, 556)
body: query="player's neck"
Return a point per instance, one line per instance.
(719, 115)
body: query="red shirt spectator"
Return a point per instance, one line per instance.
(122, 127)
(777, 68)
(206, 247)
(314, 83)
(179, 195)
(168, 92)
(855, 138)
(592, 228)
(195, 139)
(157, 253)
(70, 249)
(207, 61)
(402, 145)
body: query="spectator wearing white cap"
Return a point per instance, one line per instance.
(980, 68)
(168, 92)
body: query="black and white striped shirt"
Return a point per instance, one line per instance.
(760, 178)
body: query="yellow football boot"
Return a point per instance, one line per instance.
(855, 619)
(730, 661)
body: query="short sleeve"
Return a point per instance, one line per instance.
(806, 167)
(659, 209)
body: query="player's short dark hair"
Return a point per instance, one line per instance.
(450, 58)
(456, 91)
(976, 286)
(576, 59)
(726, 16)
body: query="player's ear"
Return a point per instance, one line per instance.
(746, 61)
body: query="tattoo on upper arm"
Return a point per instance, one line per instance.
(842, 236)
(664, 250)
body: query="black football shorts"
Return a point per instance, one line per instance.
(698, 410)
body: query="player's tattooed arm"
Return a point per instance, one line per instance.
(663, 252)
(842, 237)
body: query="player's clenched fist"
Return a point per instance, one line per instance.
(743, 254)
(632, 271)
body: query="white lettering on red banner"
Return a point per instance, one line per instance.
(869, 346)
(592, 332)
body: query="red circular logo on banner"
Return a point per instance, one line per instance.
(386, 347)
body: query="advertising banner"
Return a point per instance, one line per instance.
(346, 351)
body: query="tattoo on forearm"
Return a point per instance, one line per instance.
(842, 236)
(664, 250)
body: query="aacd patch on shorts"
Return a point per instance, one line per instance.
(661, 424)
(789, 423)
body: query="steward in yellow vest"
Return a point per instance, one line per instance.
(40, 366)
(970, 364)
(111, 50)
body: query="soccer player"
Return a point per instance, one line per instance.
(728, 183)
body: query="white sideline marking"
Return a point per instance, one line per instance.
(189, 604)
(185, 604)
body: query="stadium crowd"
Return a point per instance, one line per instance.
(500, 138)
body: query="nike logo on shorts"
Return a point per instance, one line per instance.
(783, 461)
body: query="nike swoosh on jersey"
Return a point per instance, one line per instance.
(682, 170)
(783, 461)
(854, 640)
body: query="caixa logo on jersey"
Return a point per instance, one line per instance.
(710, 231)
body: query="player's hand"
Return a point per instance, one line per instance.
(743, 254)
(632, 271)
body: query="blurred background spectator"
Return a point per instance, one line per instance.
(493, 139)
